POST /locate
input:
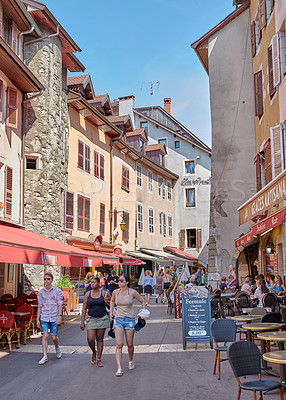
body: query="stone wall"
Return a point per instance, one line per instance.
(46, 137)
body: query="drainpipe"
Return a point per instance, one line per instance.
(45, 37)
(111, 193)
(33, 97)
(20, 38)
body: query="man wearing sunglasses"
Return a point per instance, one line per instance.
(49, 316)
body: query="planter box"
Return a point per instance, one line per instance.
(70, 291)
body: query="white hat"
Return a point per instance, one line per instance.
(143, 313)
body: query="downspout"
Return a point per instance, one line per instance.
(111, 193)
(20, 38)
(45, 37)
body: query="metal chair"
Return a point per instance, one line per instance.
(270, 300)
(244, 359)
(272, 317)
(223, 330)
(217, 307)
(242, 300)
(258, 311)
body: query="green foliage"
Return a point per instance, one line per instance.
(64, 282)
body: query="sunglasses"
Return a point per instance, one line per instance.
(121, 280)
(47, 279)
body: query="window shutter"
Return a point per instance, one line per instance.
(86, 214)
(258, 93)
(258, 176)
(270, 72)
(1, 20)
(101, 167)
(199, 238)
(69, 211)
(262, 14)
(182, 239)
(102, 219)
(8, 191)
(276, 64)
(87, 158)
(115, 218)
(253, 45)
(96, 166)
(1, 98)
(14, 37)
(80, 154)
(268, 168)
(276, 150)
(164, 224)
(125, 234)
(80, 212)
(12, 107)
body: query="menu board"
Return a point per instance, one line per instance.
(196, 319)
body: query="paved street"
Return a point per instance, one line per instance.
(162, 368)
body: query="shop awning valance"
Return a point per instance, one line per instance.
(20, 246)
(180, 253)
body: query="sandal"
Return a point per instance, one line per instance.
(99, 363)
(131, 365)
(93, 358)
(119, 372)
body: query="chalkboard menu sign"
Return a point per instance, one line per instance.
(196, 319)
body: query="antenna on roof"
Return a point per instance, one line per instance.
(151, 87)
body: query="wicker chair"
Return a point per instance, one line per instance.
(223, 330)
(242, 300)
(217, 307)
(244, 359)
(270, 300)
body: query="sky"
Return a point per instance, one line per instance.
(127, 44)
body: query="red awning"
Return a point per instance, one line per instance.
(24, 247)
(269, 223)
(245, 239)
(178, 252)
(126, 260)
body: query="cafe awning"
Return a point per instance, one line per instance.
(180, 253)
(20, 246)
(163, 255)
(143, 256)
(126, 260)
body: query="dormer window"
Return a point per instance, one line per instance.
(142, 144)
(162, 160)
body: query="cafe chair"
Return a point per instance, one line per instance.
(25, 322)
(34, 327)
(65, 303)
(244, 359)
(223, 331)
(270, 300)
(258, 311)
(272, 317)
(6, 296)
(9, 328)
(3, 307)
(217, 307)
(242, 300)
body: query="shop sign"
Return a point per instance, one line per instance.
(244, 239)
(97, 243)
(264, 200)
(117, 251)
(195, 182)
(269, 223)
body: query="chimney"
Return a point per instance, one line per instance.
(167, 105)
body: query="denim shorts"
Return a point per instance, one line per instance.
(45, 326)
(125, 323)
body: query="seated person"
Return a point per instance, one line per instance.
(279, 286)
(223, 284)
(246, 287)
(260, 291)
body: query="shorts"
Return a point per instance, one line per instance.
(46, 326)
(167, 285)
(97, 323)
(125, 322)
(148, 289)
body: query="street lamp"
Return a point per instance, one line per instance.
(123, 225)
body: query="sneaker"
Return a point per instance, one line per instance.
(43, 360)
(59, 353)
(156, 300)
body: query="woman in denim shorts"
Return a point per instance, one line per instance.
(124, 320)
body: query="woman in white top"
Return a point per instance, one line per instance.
(260, 291)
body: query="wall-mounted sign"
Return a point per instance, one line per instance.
(117, 251)
(195, 182)
(97, 242)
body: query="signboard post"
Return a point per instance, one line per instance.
(196, 317)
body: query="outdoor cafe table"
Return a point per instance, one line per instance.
(263, 326)
(279, 337)
(246, 318)
(278, 357)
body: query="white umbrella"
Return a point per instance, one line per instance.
(155, 275)
(141, 278)
(184, 277)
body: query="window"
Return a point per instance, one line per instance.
(177, 144)
(162, 224)
(96, 165)
(189, 167)
(69, 210)
(87, 158)
(190, 198)
(8, 192)
(274, 64)
(83, 156)
(162, 160)
(170, 226)
(144, 124)
(125, 234)
(102, 219)
(101, 170)
(125, 179)
(258, 91)
(31, 162)
(272, 89)
(142, 145)
(151, 219)
(140, 217)
(169, 190)
(277, 150)
(83, 213)
(194, 238)
(269, 8)
(80, 154)
(150, 181)
(161, 187)
(163, 141)
(12, 108)
(7, 29)
(139, 175)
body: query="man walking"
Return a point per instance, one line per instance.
(49, 316)
(198, 276)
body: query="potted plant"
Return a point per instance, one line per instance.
(65, 284)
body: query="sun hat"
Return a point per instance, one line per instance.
(140, 324)
(143, 313)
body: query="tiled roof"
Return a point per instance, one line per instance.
(97, 99)
(76, 80)
(136, 132)
(153, 147)
(117, 118)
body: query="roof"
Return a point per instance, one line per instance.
(201, 45)
(98, 99)
(138, 132)
(18, 13)
(118, 118)
(156, 147)
(76, 80)
(176, 251)
(184, 133)
(72, 63)
(84, 81)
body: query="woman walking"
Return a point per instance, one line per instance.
(148, 286)
(167, 283)
(232, 282)
(159, 286)
(124, 320)
(97, 320)
(87, 281)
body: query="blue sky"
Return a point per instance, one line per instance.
(127, 43)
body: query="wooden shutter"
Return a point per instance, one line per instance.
(182, 239)
(1, 98)
(164, 224)
(80, 154)
(69, 210)
(276, 150)
(96, 166)
(262, 14)
(12, 107)
(125, 234)
(101, 167)
(87, 158)
(14, 37)
(115, 219)
(199, 238)
(86, 214)
(102, 219)
(127, 180)
(253, 44)
(8, 192)
(268, 168)
(258, 90)
(1, 20)
(276, 63)
(80, 206)
(258, 175)
(272, 89)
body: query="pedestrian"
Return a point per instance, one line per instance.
(97, 321)
(232, 282)
(49, 315)
(222, 284)
(174, 277)
(113, 282)
(101, 279)
(159, 286)
(198, 276)
(148, 286)
(167, 283)
(124, 319)
(87, 281)
(110, 269)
